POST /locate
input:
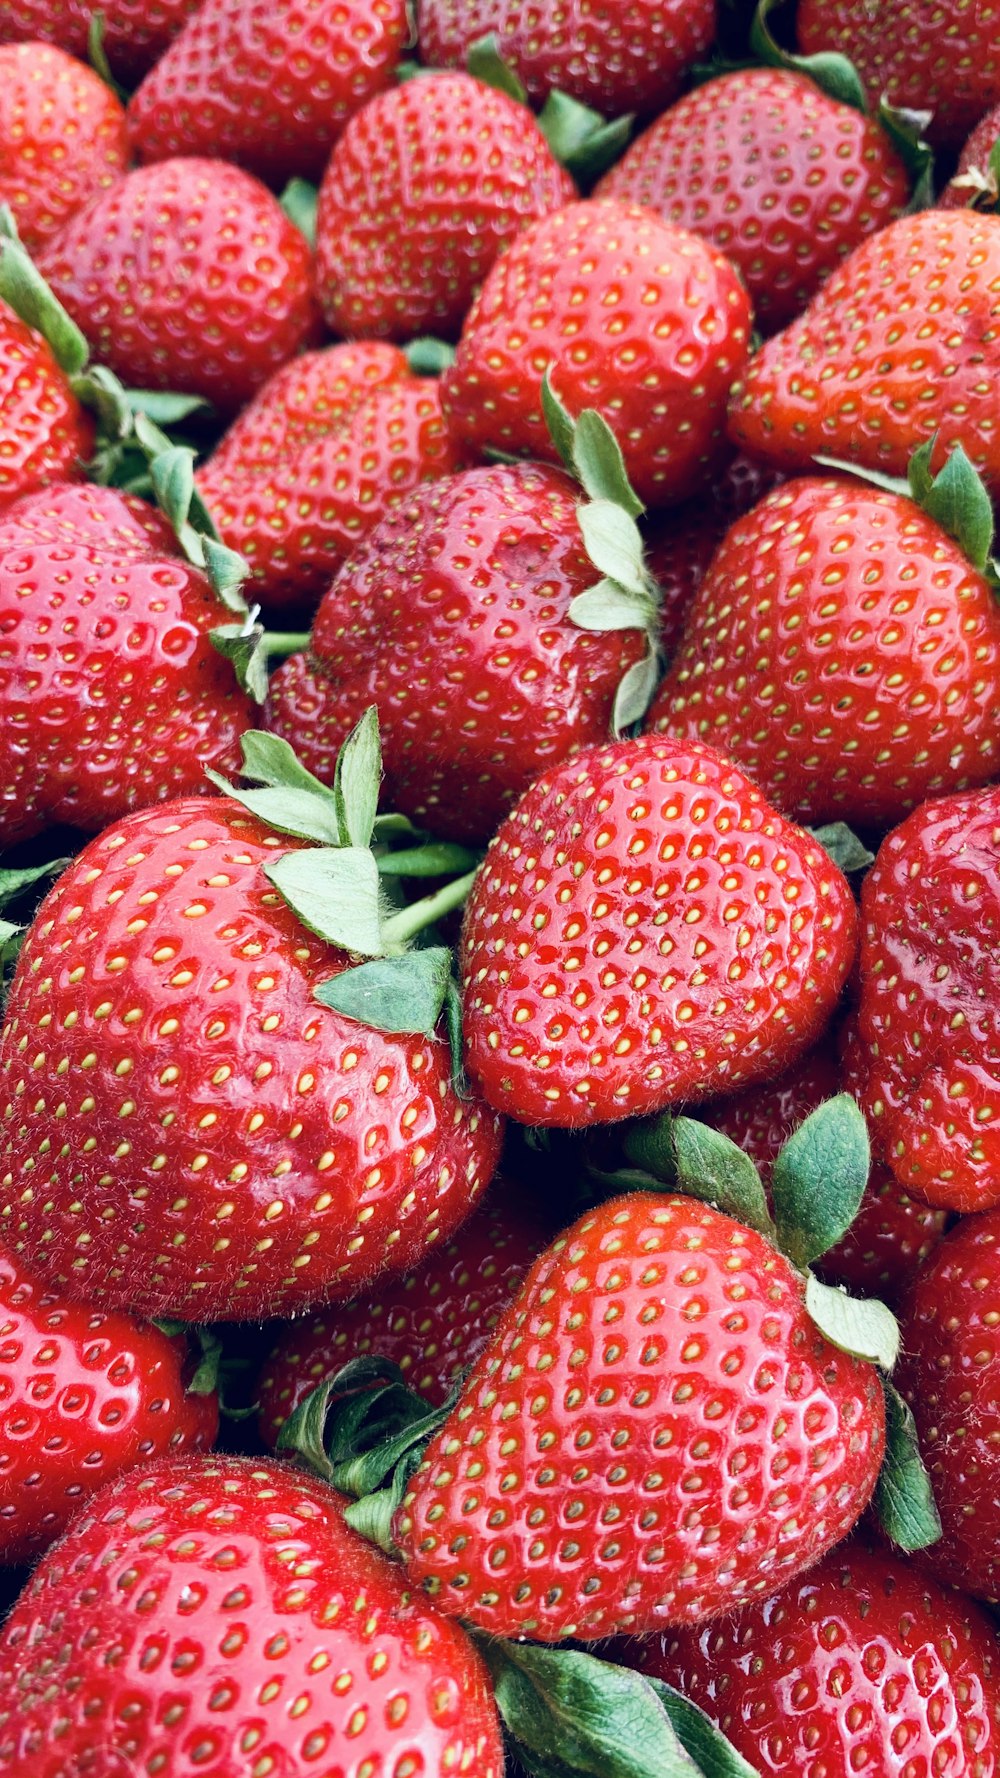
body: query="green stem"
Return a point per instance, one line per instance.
(282, 642)
(409, 921)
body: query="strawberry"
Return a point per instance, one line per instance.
(85, 1396)
(426, 186)
(782, 179)
(630, 860)
(926, 1059)
(867, 678)
(863, 1664)
(217, 1614)
(111, 694)
(660, 323)
(268, 84)
(973, 185)
(900, 346)
(186, 275)
(46, 434)
(626, 55)
(947, 63)
(433, 1323)
(761, 1118)
(680, 544)
(62, 137)
(135, 32)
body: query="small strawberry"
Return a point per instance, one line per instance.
(641, 321)
(62, 137)
(900, 346)
(46, 434)
(186, 275)
(427, 185)
(83, 1397)
(268, 84)
(782, 179)
(135, 32)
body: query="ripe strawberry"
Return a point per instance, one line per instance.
(762, 1117)
(862, 1665)
(865, 679)
(629, 55)
(277, 1154)
(901, 345)
(186, 275)
(782, 179)
(433, 1323)
(645, 930)
(946, 62)
(266, 83)
(656, 1432)
(218, 1614)
(62, 137)
(427, 185)
(973, 185)
(660, 325)
(680, 544)
(46, 434)
(926, 1059)
(84, 1396)
(136, 32)
(111, 695)
(453, 616)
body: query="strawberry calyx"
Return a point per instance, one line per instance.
(843, 845)
(955, 498)
(98, 58)
(428, 357)
(300, 202)
(204, 1379)
(15, 882)
(982, 183)
(583, 141)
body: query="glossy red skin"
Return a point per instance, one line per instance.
(136, 32)
(84, 1396)
(629, 860)
(278, 1154)
(946, 62)
(453, 618)
(661, 323)
(656, 1433)
(186, 275)
(925, 1060)
(961, 193)
(629, 55)
(62, 137)
(268, 84)
(425, 188)
(780, 178)
(111, 695)
(862, 1665)
(46, 433)
(218, 1612)
(844, 652)
(901, 343)
(949, 1372)
(310, 396)
(296, 522)
(433, 1323)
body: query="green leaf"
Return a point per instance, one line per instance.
(842, 843)
(859, 1325)
(484, 61)
(206, 1377)
(649, 1143)
(99, 389)
(227, 570)
(613, 543)
(608, 606)
(704, 1741)
(957, 501)
(166, 407)
(172, 474)
(833, 73)
(906, 129)
(393, 994)
(635, 692)
(453, 1028)
(358, 778)
(714, 1169)
(268, 759)
(597, 460)
(429, 357)
(584, 142)
(559, 422)
(14, 881)
(300, 202)
(904, 1499)
(876, 478)
(153, 441)
(297, 812)
(439, 858)
(97, 57)
(24, 290)
(335, 892)
(245, 645)
(303, 1433)
(819, 1179)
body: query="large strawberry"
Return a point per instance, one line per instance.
(644, 322)
(47, 435)
(778, 176)
(428, 183)
(62, 137)
(186, 275)
(901, 345)
(266, 83)
(135, 32)
(83, 1396)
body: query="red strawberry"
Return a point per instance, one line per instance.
(278, 1154)
(901, 345)
(926, 1053)
(218, 1614)
(782, 179)
(659, 323)
(46, 435)
(680, 545)
(186, 275)
(946, 62)
(111, 695)
(83, 1397)
(427, 185)
(863, 1665)
(267, 83)
(645, 929)
(656, 1432)
(62, 137)
(845, 652)
(762, 1117)
(626, 55)
(973, 185)
(136, 32)
(433, 1323)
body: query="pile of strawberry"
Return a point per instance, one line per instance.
(500, 889)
